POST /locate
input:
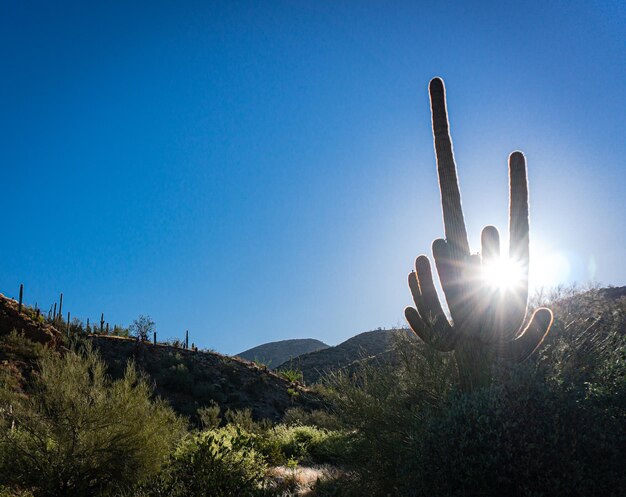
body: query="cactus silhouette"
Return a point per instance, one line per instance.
(487, 323)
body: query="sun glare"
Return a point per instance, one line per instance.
(503, 274)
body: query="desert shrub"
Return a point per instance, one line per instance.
(219, 463)
(13, 492)
(209, 416)
(521, 437)
(553, 425)
(304, 444)
(292, 375)
(241, 418)
(177, 378)
(16, 346)
(76, 432)
(318, 417)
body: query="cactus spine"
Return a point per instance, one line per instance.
(19, 306)
(487, 324)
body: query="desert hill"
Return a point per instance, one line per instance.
(273, 354)
(362, 346)
(187, 379)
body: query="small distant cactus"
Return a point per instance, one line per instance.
(487, 323)
(19, 307)
(102, 323)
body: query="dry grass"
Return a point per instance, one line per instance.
(300, 481)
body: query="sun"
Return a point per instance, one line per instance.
(503, 274)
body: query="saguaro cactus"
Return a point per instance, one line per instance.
(487, 322)
(19, 307)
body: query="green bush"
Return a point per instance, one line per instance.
(320, 418)
(292, 375)
(523, 437)
(305, 444)
(76, 432)
(554, 425)
(219, 463)
(209, 416)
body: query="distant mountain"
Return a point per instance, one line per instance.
(275, 353)
(362, 346)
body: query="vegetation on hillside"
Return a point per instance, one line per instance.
(552, 425)
(73, 431)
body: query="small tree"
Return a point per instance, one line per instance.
(77, 432)
(143, 327)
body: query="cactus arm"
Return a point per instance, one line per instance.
(417, 294)
(434, 324)
(519, 245)
(431, 334)
(418, 325)
(427, 289)
(449, 271)
(490, 299)
(490, 244)
(518, 209)
(530, 339)
(454, 224)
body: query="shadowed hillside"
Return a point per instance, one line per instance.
(362, 346)
(187, 379)
(275, 353)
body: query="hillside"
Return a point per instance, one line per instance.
(34, 327)
(187, 379)
(273, 354)
(364, 345)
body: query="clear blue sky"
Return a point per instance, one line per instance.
(256, 171)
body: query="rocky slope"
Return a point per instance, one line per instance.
(34, 327)
(273, 354)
